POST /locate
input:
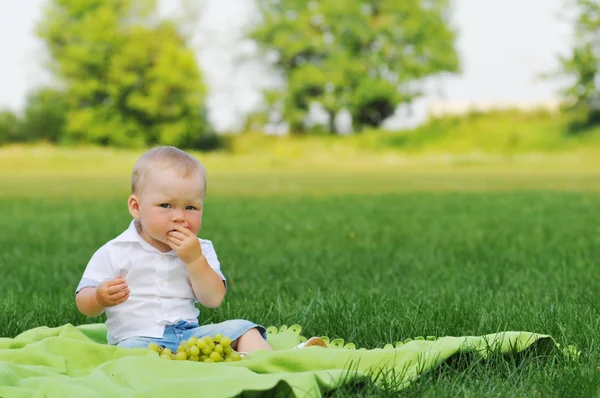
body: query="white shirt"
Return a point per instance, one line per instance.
(160, 289)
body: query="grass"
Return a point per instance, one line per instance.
(507, 132)
(476, 138)
(508, 140)
(369, 257)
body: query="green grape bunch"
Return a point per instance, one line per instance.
(207, 349)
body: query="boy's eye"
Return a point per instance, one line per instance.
(191, 208)
(165, 205)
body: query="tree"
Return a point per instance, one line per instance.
(9, 127)
(45, 115)
(366, 57)
(583, 64)
(131, 79)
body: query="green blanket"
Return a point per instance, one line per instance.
(74, 361)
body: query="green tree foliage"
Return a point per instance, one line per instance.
(45, 115)
(131, 79)
(583, 64)
(9, 127)
(363, 56)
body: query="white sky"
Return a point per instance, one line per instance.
(504, 45)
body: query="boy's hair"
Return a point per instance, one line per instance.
(165, 157)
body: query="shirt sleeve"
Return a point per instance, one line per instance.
(98, 270)
(211, 257)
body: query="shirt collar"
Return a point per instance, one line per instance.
(131, 235)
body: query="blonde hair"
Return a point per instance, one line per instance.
(167, 157)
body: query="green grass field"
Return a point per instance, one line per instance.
(372, 257)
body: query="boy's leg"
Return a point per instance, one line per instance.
(143, 342)
(252, 340)
(245, 336)
(313, 342)
(168, 340)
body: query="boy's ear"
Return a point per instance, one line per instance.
(133, 204)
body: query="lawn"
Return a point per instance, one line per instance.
(372, 257)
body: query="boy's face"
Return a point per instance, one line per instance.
(168, 200)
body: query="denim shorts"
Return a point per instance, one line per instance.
(183, 330)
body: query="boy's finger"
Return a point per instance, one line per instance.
(184, 231)
(176, 234)
(173, 243)
(117, 288)
(176, 238)
(120, 295)
(123, 299)
(117, 301)
(118, 280)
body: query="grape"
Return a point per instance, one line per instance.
(207, 349)
(194, 350)
(154, 347)
(201, 343)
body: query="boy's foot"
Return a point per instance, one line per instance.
(312, 342)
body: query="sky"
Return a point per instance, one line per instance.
(504, 45)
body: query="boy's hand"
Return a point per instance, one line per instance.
(185, 244)
(112, 292)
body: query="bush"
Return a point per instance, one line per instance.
(9, 127)
(212, 142)
(45, 115)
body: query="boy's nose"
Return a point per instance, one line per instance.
(178, 215)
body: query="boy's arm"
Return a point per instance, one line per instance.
(92, 301)
(87, 303)
(208, 286)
